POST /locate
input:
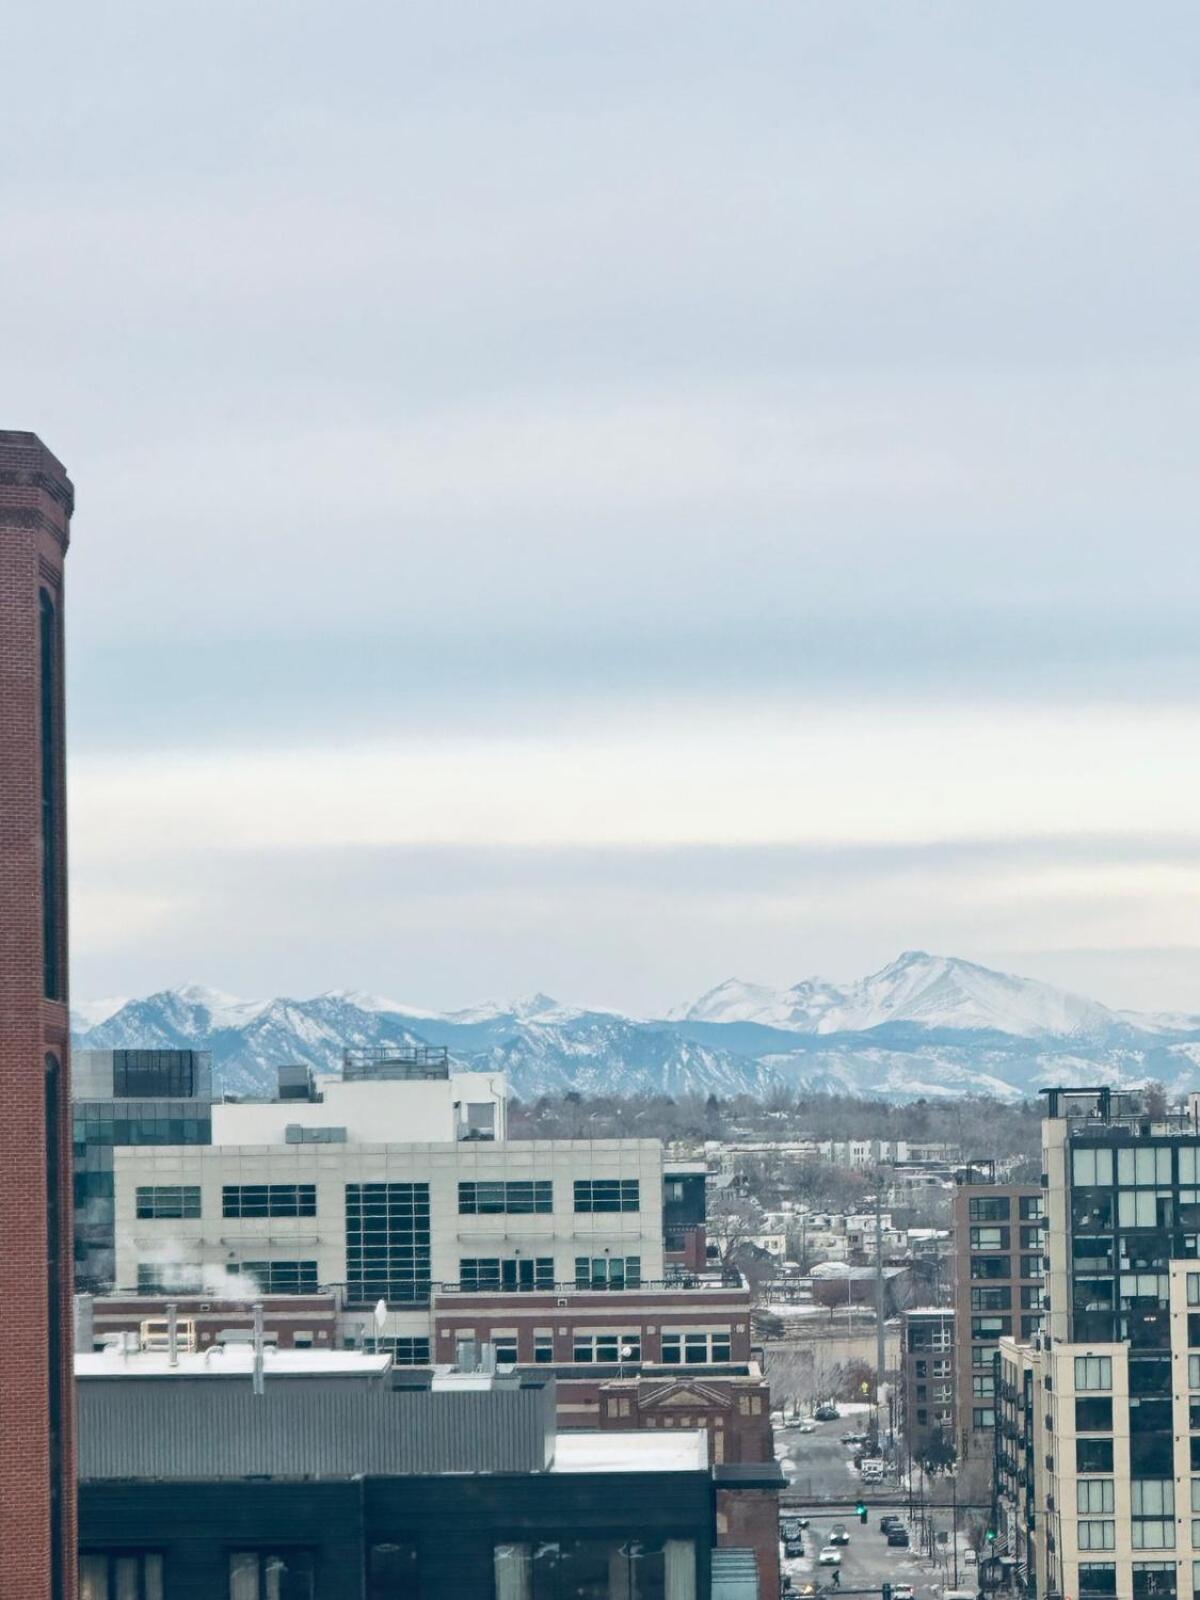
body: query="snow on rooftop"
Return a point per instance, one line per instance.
(223, 1360)
(683, 1451)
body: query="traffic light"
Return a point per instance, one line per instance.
(862, 1511)
(991, 1536)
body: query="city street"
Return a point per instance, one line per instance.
(818, 1466)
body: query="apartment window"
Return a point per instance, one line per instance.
(922, 1369)
(1151, 1455)
(1137, 1208)
(1093, 1416)
(1153, 1533)
(990, 1327)
(281, 1277)
(1097, 1580)
(1189, 1166)
(922, 1419)
(1032, 1208)
(607, 1194)
(991, 1299)
(271, 1575)
(543, 1347)
(1150, 1375)
(695, 1349)
(1193, 1288)
(269, 1200)
(608, 1272)
(983, 1388)
(1147, 1164)
(405, 1352)
(394, 1572)
(1031, 1299)
(173, 1201)
(989, 1238)
(387, 1242)
(991, 1266)
(1093, 1372)
(982, 1355)
(1095, 1496)
(1031, 1238)
(500, 1272)
(1093, 1455)
(988, 1208)
(1092, 1168)
(120, 1575)
(1033, 1267)
(1097, 1535)
(983, 1417)
(1153, 1580)
(505, 1347)
(941, 1369)
(612, 1348)
(518, 1198)
(1030, 1326)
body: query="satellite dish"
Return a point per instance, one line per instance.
(381, 1314)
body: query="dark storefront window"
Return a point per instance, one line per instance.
(120, 1575)
(643, 1568)
(271, 1575)
(394, 1572)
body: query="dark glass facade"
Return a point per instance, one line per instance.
(387, 1243)
(99, 1127)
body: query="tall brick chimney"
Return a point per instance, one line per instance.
(37, 1448)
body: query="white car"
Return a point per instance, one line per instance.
(903, 1591)
(970, 1559)
(831, 1556)
(807, 1427)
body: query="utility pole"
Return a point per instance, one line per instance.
(880, 1356)
(954, 1524)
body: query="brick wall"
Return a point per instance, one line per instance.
(35, 1478)
(749, 1519)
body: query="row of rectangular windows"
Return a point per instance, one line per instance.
(593, 1566)
(474, 1199)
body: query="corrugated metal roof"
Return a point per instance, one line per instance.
(193, 1428)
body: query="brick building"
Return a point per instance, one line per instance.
(37, 1474)
(998, 1272)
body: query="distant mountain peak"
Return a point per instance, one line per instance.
(924, 1024)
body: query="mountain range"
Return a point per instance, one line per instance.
(923, 1025)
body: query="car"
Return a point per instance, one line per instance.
(807, 1427)
(792, 1527)
(839, 1534)
(831, 1556)
(903, 1591)
(793, 1547)
(854, 1438)
(886, 1524)
(898, 1537)
(826, 1414)
(970, 1558)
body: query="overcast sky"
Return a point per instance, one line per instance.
(601, 498)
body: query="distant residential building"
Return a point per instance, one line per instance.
(998, 1275)
(927, 1342)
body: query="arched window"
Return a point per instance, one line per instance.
(51, 800)
(55, 1350)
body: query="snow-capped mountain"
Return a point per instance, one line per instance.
(923, 1025)
(929, 991)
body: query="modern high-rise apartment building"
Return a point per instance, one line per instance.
(1098, 1442)
(998, 1271)
(37, 1473)
(127, 1097)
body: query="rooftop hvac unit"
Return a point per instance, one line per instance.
(154, 1333)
